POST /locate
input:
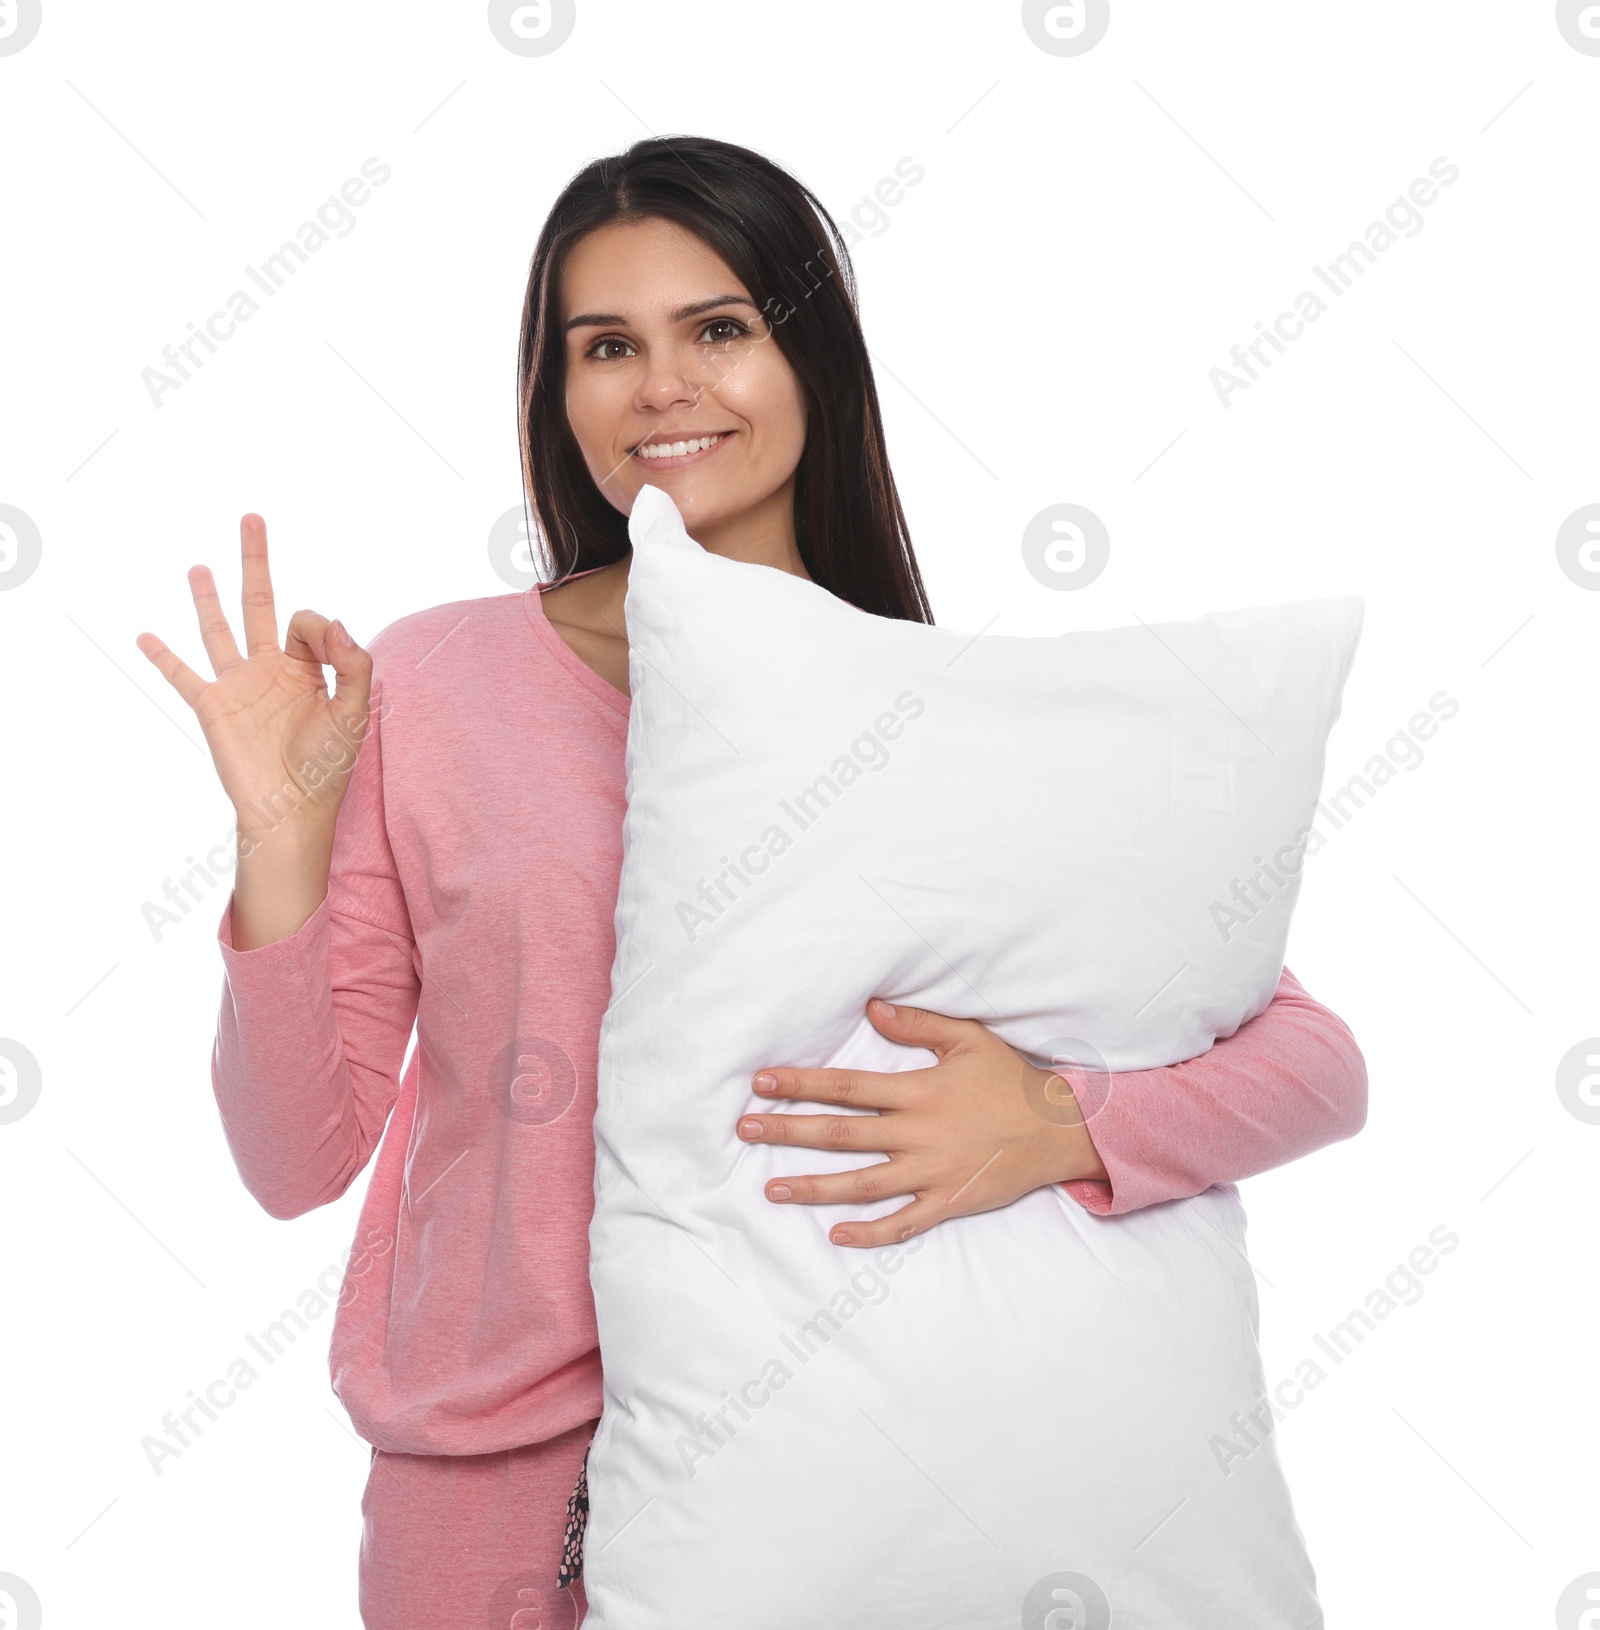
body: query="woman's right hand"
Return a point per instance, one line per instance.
(283, 747)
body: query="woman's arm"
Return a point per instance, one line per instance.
(321, 976)
(314, 1025)
(983, 1126)
(1287, 1082)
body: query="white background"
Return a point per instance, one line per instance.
(1092, 234)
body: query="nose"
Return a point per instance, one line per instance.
(671, 378)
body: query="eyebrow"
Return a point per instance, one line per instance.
(601, 319)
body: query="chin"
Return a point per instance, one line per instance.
(699, 501)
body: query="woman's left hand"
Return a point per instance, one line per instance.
(977, 1130)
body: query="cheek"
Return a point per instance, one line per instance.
(598, 396)
(766, 392)
(593, 416)
(581, 408)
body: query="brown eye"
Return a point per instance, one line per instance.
(598, 349)
(731, 326)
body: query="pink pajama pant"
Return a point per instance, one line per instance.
(470, 1542)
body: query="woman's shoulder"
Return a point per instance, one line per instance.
(486, 627)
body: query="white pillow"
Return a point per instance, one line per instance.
(1009, 1420)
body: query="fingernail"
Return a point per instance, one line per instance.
(766, 1083)
(749, 1129)
(778, 1191)
(906, 1233)
(840, 1236)
(883, 1007)
(336, 628)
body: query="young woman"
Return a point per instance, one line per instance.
(438, 845)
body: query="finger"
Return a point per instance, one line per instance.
(260, 613)
(815, 1131)
(916, 1218)
(870, 1088)
(311, 637)
(214, 630)
(352, 689)
(177, 673)
(304, 638)
(917, 1027)
(882, 1180)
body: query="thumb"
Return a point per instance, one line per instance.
(917, 1027)
(352, 674)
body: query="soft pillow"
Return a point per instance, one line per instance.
(1009, 1420)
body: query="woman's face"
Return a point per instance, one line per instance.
(665, 346)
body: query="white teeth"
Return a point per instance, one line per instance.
(675, 449)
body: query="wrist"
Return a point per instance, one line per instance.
(301, 834)
(282, 878)
(1072, 1154)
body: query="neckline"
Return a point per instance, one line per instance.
(533, 605)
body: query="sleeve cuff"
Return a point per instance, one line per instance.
(1128, 1182)
(266, 967)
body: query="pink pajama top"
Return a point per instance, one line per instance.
(475, 871)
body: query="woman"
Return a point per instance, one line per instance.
(690, 322)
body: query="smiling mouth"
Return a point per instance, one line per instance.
(681, 451)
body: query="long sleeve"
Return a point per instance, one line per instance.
(1287, 1082)
(313, 1028)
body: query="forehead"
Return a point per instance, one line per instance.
(641, 269)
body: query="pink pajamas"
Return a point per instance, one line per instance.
(455, 1542)
(475, 872)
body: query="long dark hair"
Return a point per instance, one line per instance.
(784, 247)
